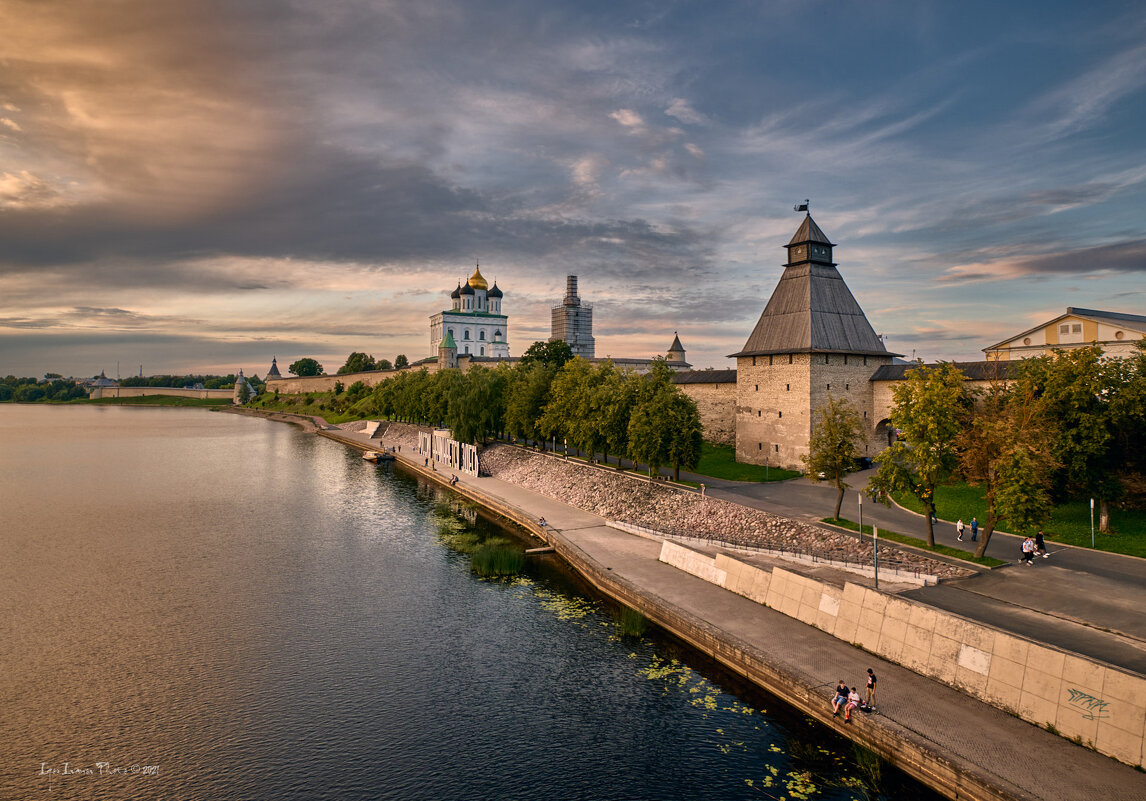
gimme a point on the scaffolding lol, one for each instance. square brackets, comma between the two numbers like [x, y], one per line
[573, 321]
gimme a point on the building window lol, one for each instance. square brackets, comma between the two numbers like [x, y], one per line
[769, 361]
[481, 335]
[1064, 329]
[829, 387]
[865, 415]
[467, 348]
[759, 446]
[847, 387]
[777, 447]
[451, 332]
[827, 359]
[758, 412]
[790, 360]
[1076, 328]
[779, 414]
[482, 351]
[845, 358]
[757, 387]
[787, 387]
[865, 361]
[753, 361]
[466, 335]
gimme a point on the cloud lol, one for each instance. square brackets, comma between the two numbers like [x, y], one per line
[1084, 101]
[10, 124]
[1120, 257]
[629, 119]
[683, 111]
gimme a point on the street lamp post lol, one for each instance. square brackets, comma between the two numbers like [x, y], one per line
[1092, 522]
[875, 552]
[861, 514]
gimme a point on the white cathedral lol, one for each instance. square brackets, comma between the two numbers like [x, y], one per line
[475, 324]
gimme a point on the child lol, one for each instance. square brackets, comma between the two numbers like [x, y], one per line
[871, 680]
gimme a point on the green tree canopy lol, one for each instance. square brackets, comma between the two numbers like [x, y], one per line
[833, 447]
[930, 407]
[305, 367]
[553, 353]
[401, 361]
[355, 363]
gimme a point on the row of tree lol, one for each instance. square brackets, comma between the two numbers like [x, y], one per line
[355, 363]
[32, 390]
[1043, 431]
[550, 397]
[189, 381]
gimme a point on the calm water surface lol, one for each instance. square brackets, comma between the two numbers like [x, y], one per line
[259, 614]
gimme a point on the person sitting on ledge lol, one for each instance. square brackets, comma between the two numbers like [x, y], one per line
[841, 697]
[853, 702]
[541, 522]
[453, 480]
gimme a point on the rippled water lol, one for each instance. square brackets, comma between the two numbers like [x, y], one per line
[259, 614]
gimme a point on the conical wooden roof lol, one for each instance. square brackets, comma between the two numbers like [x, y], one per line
[812, 311]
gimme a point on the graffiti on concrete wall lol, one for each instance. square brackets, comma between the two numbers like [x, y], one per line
[1094, 708]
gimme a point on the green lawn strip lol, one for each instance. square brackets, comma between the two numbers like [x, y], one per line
[894, 536]
[1069, 522]
[719, 461]
[319, 405]
[157, 400]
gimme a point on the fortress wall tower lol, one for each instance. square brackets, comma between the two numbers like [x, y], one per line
[812, 341]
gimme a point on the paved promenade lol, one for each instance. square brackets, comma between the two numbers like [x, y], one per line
[1020, 760]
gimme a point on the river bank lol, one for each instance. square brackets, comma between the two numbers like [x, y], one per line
[961, 747]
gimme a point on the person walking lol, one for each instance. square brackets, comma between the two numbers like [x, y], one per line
[871, 680]
[959, 529]
[1028, 551]
[974, 529]
[1040, 545]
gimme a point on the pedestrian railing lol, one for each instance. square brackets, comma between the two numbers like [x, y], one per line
[887, 567]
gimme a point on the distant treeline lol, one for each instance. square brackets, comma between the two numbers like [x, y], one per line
[33, 390]
[54, 387]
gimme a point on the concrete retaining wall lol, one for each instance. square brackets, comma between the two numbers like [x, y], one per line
[1099, 704]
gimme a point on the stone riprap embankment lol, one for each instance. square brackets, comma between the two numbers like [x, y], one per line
[617, 496]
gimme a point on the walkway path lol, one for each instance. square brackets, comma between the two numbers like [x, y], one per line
[1021, 760]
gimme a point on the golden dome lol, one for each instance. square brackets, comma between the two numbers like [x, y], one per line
[476, 281]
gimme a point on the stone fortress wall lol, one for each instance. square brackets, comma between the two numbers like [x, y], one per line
[173, 392]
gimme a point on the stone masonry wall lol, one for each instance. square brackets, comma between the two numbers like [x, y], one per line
[295, 385]
[717, 406]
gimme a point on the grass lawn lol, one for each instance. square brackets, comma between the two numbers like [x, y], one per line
[158, 400]
[895, 536]
[719, 461]
[1069, 523]
[319, 404]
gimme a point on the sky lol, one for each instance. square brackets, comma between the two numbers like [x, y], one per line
[202, 186]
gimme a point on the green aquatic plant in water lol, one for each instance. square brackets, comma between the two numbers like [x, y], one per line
[496, 561]
[629, 622]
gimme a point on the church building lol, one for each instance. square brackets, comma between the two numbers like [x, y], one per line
[475, 323]
[811, 342]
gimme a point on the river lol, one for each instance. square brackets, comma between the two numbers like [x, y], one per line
[209, 606]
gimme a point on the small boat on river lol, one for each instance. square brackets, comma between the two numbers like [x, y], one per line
[378, 456]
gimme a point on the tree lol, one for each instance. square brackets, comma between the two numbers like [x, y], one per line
[612, 407]
[244, 392]
[338, 387]
[355, 363]
[526, 397]
[383, 364]
[1006, 448]
[305, 367]
[833, 447]
[930, 406]
[552, 353]
[1078, 389]
[401, 361]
